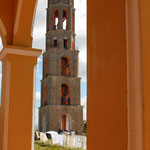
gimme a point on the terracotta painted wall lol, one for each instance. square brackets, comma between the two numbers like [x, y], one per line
[145, 31]
[107, 84]
[16, 111]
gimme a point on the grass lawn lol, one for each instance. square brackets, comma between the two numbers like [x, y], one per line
[49, 146]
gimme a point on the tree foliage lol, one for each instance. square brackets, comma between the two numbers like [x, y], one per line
[84, 126]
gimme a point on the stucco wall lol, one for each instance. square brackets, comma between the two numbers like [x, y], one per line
[107, 82]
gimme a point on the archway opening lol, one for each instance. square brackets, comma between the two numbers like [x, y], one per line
[55, 43]
[66, 123]
[65, 95]
[64, 20]
[65, 66]
[65, 43]
[56, 19]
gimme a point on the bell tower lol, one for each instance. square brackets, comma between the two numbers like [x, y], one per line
[60, 87]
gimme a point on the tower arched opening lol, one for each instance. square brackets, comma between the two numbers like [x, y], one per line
[55, 43]
[66, 123]
[65, 66]
[65, 43]
[65, 95]
[55, 20]
[65, 19]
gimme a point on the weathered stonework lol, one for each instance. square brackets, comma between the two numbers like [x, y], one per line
[52, 109]
[54, 113]
[54, 57]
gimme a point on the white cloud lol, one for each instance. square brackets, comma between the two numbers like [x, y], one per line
[37, 104]
[82, 66]
[81, 33]
[39, 59]
[36, 118]
[38, 98]
[39, 30]
[84, 103]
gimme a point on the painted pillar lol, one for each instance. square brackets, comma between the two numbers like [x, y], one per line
[106, 75]
[119, 70]
[16, 110]
[18, 63]
[134, 77]
[145, 46]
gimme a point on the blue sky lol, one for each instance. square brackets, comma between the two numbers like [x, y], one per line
[39, 42]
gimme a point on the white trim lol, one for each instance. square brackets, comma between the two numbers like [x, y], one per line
[19, 51]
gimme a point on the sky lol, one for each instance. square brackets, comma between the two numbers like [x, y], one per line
[39, 32]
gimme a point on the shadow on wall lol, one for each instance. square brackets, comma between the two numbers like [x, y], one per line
[1, 47]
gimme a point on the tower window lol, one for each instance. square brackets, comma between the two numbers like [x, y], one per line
[65, 44]
[55, 43]
[65, 66]
[55, 19]
[65, 95]
[65, 20]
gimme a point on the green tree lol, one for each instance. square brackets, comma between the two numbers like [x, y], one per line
[84, 126]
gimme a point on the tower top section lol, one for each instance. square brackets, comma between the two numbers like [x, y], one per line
[67, 2]
[60, 25]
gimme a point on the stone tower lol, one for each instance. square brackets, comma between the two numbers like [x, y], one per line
[60, 87]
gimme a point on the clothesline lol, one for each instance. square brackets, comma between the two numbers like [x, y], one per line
[73, 141]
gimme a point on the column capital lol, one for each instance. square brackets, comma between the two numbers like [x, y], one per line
[23, 51]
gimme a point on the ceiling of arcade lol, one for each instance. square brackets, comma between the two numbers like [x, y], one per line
[16, 19]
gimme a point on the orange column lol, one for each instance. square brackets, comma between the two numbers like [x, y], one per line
[106, 75]
[16, 110]
[18, 62]
[145, 46]
[134, 77]
[118, 75]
